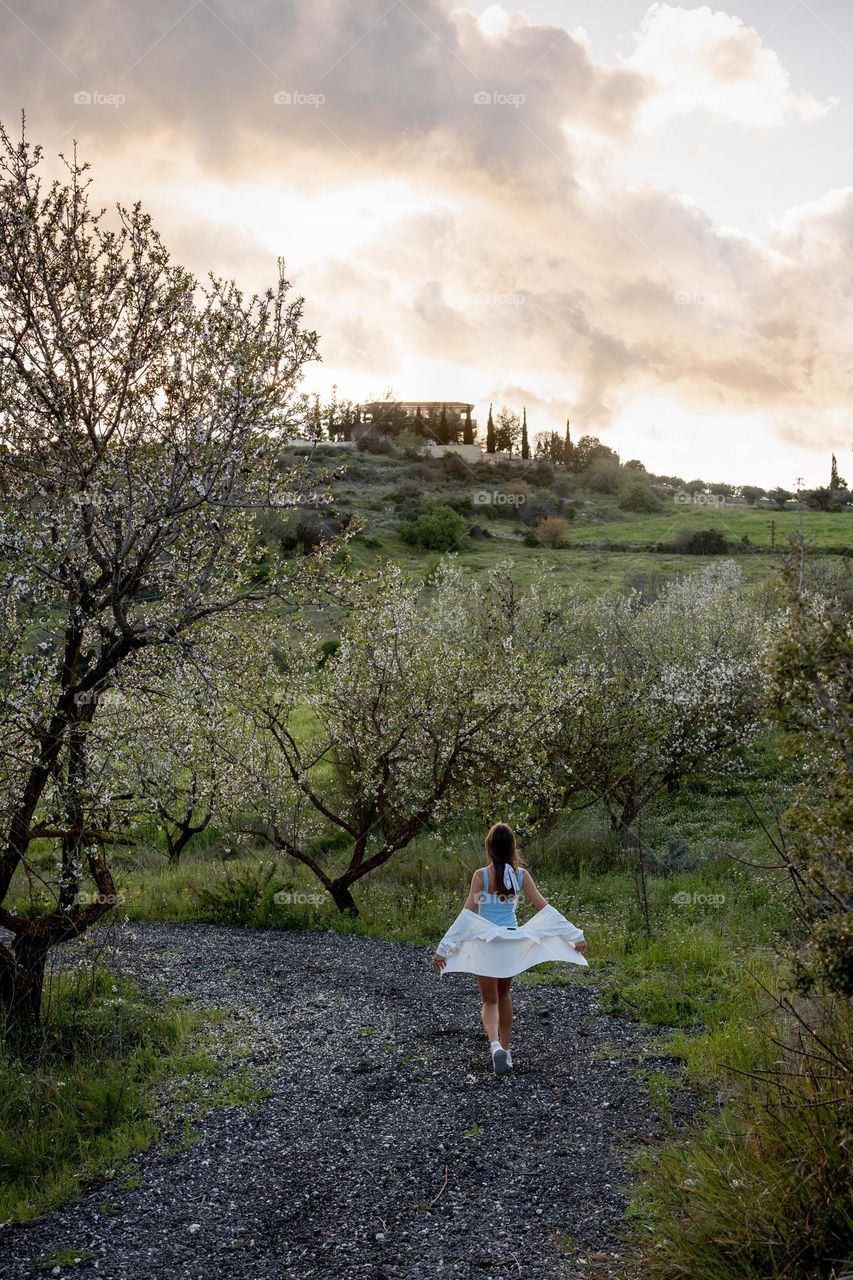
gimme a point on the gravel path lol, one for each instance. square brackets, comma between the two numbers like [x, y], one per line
[386, 1147]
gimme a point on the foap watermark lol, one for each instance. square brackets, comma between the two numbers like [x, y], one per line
[684, 299]
[286, 898]
[495, 98]
[313, 499]
[86, 898]
[88, 697]
[515, 298]
[685, 899]
[95, 98]
[496, 497]
[298, 98]
[682, 498]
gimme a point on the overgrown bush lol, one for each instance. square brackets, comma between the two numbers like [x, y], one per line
[699, 542]
[552, 531]
[603, 476]
[437, 528]
[764, 1191]
[636, 494]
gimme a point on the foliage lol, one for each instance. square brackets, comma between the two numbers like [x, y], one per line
[589, 449]
[385, 752]
[700, 542]
[437, 528]
[655, 691]
[763, 1191]
[602, 474]
[157, 747]
[84, 1105]
[811, 696]
[638, 495]
[552, 530]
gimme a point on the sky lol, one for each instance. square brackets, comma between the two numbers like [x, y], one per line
[637, 216]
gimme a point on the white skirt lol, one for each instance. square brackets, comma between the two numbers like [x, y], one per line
[473, 944]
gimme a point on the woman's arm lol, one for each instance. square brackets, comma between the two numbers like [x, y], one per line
[473, 899]
[528, 884]
[471, 903]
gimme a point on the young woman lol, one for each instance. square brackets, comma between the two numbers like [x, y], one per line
[491, 945]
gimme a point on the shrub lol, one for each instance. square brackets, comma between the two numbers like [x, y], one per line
[541, 504]
[453, 467]
[699, 542]
[411, 445]
[371, 441]
[540, 474]
[552, 531]
[603, 476]
[237, 897]
[637, 494]
[563, 485]
[437, 528]
[763, 1192]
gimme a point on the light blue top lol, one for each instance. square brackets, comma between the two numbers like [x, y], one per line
[497, 910]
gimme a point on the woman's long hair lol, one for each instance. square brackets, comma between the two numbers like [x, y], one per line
[501, 850]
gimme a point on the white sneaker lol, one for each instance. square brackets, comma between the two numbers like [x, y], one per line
[499, 1061]
[509, 1059]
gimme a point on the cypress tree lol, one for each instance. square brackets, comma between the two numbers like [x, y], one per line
[525, 443]
[568, 448]
[468, 430]
[834, 481]
[443, 433]
[490, 433]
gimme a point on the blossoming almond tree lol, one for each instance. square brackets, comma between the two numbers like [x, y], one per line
[810, 671]
[139, 417]
[159, 741]
[668, 687]
[345, 762]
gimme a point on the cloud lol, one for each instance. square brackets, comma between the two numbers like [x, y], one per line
[457, 248]
[368, 84]
[701, 59]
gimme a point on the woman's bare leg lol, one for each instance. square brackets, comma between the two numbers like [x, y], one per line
[504, 1011]
[489, 1011]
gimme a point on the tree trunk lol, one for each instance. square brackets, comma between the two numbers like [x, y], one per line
[342, 897]
[624, 820]
[21, 984]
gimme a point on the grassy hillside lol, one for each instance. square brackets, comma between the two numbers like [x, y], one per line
[502, 505]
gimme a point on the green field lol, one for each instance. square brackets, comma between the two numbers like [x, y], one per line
[605, 547]
[590, 571]
[820, 529]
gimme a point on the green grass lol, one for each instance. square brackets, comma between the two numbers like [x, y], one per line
[64, 1259]
[763, 1190]
[369, 487]
[821, 529]
[590, 571]
[710, 925]
[82, 1103]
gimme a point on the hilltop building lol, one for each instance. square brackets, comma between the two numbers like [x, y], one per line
[376, 408]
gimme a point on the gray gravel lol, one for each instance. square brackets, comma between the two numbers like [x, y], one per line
[387, 1147]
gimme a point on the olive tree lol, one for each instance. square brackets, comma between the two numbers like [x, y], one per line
[140, 413]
